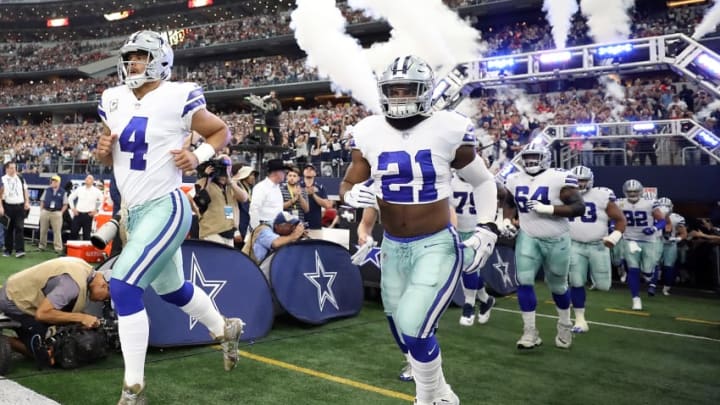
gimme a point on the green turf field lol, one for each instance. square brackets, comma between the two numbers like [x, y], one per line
[628, 359]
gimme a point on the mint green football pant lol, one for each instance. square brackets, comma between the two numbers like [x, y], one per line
[552, 254]
[468, 253]
[669, 254]
[419, 276]
[645, 260]
[152, 256]
[593, 256]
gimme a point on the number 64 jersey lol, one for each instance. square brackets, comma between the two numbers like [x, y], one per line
[412, 166]
[148, 130]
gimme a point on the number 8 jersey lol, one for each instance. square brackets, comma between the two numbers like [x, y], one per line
[148, 130]
[413, 166]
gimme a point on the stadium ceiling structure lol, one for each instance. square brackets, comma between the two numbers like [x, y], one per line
[679, 52]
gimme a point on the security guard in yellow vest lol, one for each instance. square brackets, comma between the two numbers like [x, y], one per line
[51, 293]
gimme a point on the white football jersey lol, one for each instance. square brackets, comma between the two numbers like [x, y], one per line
[593, 225]
[638, 216]
[412, 166]
[544, 187]
[148, 130]
[676, 220]
[463, 202]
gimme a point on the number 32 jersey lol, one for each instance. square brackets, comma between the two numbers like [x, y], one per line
[639, 216]
[545, 188]
[148, 130]
[592, 226]
[412, 166]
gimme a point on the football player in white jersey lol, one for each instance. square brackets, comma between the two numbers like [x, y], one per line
[408, 153]
[590, 244]
[544, 198]
[670, 241]
[463, 214]
[642, 250]
[146, 120]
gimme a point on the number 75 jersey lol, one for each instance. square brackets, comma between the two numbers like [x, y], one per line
[148, 130]
[545, 188]
[412, 166]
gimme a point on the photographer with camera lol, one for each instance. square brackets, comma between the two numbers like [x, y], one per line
[272, 117]
[216, 198]
[51, 293]
[285, 229]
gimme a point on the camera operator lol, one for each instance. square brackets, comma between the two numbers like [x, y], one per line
[216, 198]
[286, 228]
[272, 117]
[51, 293]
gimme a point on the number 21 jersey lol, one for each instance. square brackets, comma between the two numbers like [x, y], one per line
[148, 130]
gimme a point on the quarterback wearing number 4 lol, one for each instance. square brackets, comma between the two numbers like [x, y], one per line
[544, 198]
[146, 121]
[408, 154]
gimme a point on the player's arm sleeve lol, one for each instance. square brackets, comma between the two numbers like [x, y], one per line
[194, 101]
[102, 113]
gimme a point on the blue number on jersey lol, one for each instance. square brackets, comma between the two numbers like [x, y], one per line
[132, 139]
[636, 218]
[465, 198]
[521, 199]
[590, 215]
[405, 193]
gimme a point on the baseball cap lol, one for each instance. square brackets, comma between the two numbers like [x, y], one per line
[310, 165]
[245, 172]
[286, 218]
[55, 178]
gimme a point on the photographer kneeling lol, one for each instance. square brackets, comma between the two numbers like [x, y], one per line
[51, 293]
[216, 197]
[286, 229]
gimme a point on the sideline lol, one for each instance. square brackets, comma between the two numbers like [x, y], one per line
[15, 394]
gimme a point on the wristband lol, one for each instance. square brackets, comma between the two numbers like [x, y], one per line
[614, 237]
[204, 152]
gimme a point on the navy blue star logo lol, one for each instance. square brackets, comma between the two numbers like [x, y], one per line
[502, 268]
[211, 287]
[373, 256]
[323, 281]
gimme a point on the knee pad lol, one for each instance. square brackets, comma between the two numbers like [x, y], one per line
[127, 298]
[423, 350]
[181, 296]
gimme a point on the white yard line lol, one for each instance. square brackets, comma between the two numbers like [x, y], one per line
[15, 394]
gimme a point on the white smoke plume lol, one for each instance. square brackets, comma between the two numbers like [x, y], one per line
[559, 14]
[523, 104]
[320, 32]
[425, 28]
[607, 20]
[709, 109]
[614, 96]
[709, 22]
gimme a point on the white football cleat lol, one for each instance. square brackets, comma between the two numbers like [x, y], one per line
[406, 374]
[564, 336]
[485, 308]
[448, 397]
[580, 327]
[636, 304]
[468, 315]
[530, 339]
[666, 290]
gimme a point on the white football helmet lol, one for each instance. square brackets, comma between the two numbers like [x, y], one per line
[665, 202]
[159, 59]
[535, 158]
[583, 173]
[633, 190]
[415, 77]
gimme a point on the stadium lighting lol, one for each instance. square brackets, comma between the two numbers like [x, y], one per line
[645, 126]
[707, 139]
[614, 50]
[58, 22]
[586, 129]
[555, 57]
[118, 15]
[199, 3]
[499, 64]
[709, 64]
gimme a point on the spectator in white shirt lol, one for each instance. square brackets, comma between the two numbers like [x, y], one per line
[15, 201]
[267, 199]
[88, 199]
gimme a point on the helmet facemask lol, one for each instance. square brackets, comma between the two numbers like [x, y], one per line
[405, 88]
[533, 162]
[158, 61]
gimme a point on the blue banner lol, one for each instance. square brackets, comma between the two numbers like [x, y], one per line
[498, 273]
[315, 281]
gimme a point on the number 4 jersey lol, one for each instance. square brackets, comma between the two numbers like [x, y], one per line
[593, 225]
[412, 166]
[148, 130]
[545, 188]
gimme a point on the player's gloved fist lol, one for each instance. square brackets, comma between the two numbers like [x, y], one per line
[507, 229]
[650, 230]
[633, 247]
[540, 208]
[363, 251]
[483, 242]
[360, 196]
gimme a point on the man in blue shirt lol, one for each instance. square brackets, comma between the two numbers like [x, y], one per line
[317, 197]
[286, 229]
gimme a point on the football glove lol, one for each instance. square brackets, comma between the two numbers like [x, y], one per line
[540, 208]
[363, 251]
[483, 242]
[633, 247]
[507, 229]
[650, 230]
[360, 196]
[613, 238]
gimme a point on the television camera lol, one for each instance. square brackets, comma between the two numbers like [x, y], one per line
[259, 108]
